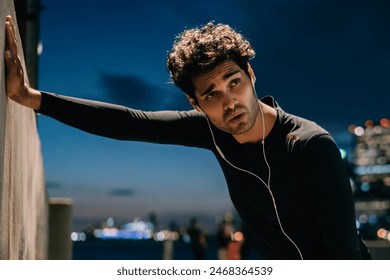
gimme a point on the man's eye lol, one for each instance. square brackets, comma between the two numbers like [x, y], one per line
[235, 82]
[211, 95]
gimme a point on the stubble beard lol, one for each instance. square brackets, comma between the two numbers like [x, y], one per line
[252, 111]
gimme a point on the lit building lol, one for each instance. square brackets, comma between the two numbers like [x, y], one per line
[370, 164]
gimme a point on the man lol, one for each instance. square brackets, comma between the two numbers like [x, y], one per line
[197, 240]
[284, 173]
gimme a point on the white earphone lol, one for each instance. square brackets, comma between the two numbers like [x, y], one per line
[199, 109]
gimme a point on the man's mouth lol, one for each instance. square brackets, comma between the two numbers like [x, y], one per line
[236, 118]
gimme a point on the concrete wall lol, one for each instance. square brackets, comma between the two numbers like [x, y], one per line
[23, 199]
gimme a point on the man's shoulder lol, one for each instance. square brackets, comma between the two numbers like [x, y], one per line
[295, 128]
[303, 129]
[303, 134]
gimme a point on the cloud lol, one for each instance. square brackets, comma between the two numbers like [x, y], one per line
[53, 185]
[139, 94]
[121, 192]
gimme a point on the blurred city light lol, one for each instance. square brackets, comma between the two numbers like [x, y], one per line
[78, 236]
[369, 165]
[385, 122]
[135, 230]
[359, 131]
[40, 48]
[383, 234]
[343, 153]
[238, 236]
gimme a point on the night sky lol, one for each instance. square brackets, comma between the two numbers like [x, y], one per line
[324, 60]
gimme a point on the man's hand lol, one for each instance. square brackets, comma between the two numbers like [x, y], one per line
[15, 85]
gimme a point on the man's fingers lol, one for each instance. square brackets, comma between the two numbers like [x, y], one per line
[10, 61]
[8, 55]
[11, 36]
[14, 68]
[11, 54]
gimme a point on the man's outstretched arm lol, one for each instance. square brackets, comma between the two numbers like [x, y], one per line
[15, 85]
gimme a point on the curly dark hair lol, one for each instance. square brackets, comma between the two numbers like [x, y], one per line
[199, 50]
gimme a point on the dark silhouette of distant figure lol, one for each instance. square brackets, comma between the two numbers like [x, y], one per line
[198, 240]
[223, 239]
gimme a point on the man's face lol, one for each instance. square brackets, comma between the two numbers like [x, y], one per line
[226, 95]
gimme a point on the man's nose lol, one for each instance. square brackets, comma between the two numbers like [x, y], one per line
[230, 102]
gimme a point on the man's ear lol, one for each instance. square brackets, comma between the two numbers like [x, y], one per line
[194, 103]
[251, 74]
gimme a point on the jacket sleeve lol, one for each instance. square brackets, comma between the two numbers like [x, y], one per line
[119, 122]
[329, 189]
